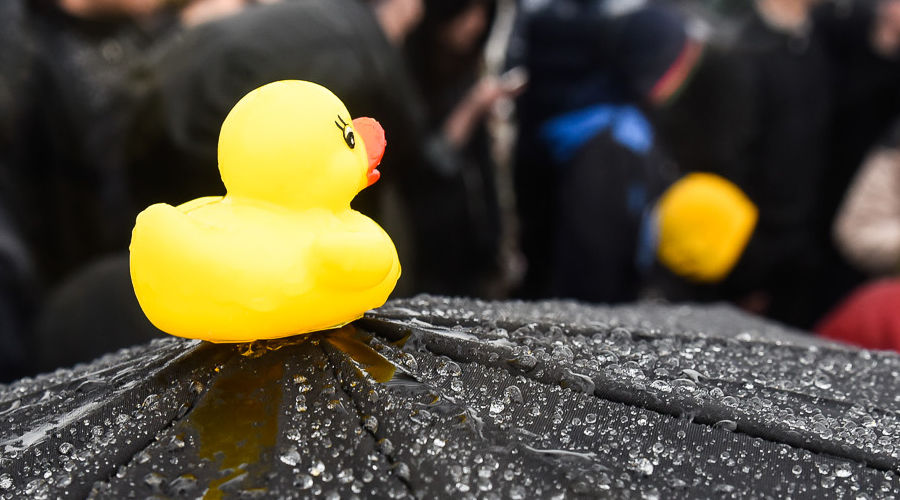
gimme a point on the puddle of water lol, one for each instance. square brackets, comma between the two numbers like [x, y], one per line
[237, 420]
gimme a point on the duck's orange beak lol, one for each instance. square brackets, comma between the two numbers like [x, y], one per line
[373, 137]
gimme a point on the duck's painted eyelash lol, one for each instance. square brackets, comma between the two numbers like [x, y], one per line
[346, 131]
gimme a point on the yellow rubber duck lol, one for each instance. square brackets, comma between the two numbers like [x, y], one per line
[282, 253]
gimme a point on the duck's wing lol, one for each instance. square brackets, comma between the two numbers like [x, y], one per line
[354, 260]
[235, 260]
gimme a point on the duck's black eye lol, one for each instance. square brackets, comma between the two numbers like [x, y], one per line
[349, 138]
[347, 131]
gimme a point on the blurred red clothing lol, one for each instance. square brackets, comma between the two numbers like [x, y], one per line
[869, 317]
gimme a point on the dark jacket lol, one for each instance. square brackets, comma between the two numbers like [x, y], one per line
[785, 86]
[72, 200]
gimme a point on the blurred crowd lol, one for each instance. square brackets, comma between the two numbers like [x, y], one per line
[599, 150]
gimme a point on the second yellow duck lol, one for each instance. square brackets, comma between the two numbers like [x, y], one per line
[282, 253]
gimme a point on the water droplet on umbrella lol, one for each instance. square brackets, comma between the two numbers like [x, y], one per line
[409, 361]
[317, 469]
[448, 368]
[385, 446]
[37, 489]
[305, 482]
[175, 443]
[842, 470]
[63, 480]
[401, 470]
[660, 386]
[292, 457]
[514, 394]
[526, 362]
[196, 387]
[154, 480]
[642, 466]
[150, 401]
[371, 424]
[724, 488]
[728, 425]
[183, 484]
[822, 381]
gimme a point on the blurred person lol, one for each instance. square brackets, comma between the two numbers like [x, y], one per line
[64, 181]
[72, 202]
[862, 40]
[76, 112]
[782, 111]
[64, 203]
[785, 93]
[587, 165]
[867, 226]
[819, 90]
[867, 231]
[458, 207]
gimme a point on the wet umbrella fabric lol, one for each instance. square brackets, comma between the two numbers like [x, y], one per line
[517, 400]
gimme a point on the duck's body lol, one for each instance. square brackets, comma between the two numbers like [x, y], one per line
[242, 267]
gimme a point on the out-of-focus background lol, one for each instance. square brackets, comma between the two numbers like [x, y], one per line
[599, 150]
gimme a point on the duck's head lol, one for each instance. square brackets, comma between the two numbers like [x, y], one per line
[294, 143]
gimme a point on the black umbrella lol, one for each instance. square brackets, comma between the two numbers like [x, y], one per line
[487, 400]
